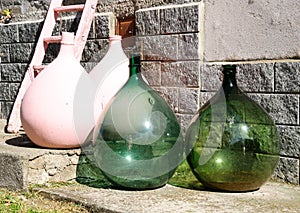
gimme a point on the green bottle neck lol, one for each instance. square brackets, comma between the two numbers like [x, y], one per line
[134, 65]
[229, 78]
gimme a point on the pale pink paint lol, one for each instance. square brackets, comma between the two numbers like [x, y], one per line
[54, 110]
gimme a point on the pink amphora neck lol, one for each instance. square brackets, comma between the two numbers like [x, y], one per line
[67, 44]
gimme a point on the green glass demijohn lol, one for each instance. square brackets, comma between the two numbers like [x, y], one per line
[138, 143]
[233, 143]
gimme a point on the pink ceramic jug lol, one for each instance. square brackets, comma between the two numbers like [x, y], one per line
[110, 74]
[56, 110]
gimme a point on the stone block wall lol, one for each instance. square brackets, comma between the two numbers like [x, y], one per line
[183, 47]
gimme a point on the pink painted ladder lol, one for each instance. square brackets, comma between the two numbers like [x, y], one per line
[88, 10]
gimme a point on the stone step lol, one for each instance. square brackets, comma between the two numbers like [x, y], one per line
[23, 164]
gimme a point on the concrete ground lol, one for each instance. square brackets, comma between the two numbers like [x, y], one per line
[272, 197]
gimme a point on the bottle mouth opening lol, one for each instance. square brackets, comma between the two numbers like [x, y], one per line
[229, 69]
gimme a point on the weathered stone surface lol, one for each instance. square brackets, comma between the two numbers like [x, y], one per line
[247, 30]
[152, 72]
[13, 90]
[179, 19]
[210, 77]
[180, 74]
[29, 32]
[204, 97]
[287, 170]
[5, 107]
[188, 100]
[160, 47]
[12, 172]
[250, 77]
[256, 77]
[283, 108]
[20, 52]
[104, 25]
[184, 120]
[4, 53]
[51, 53]
[171, 97]
[287, 77]
[289, 138]
[147, 22]
[5, 91]
[13, 72]
[8, 34]
[95, 50]
[188, 46]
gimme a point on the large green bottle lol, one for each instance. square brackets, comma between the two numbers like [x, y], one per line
[138, 143]
[234, 145]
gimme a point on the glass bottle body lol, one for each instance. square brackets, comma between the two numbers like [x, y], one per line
[138, 143]
[234, 145]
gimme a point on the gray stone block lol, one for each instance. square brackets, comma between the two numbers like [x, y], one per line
[104, 25]
[4, 53]
[290, 137]
[250, 77]
[8, 34]
[184, 120]
[22, 163]
[179, 19]
[205, 97]
[147, 22]
[5, 91]
[160, 47]
[29, 32]
[188, 46]
[20, 52]
[248, 30]
[6, 108]
[188, 100]
[13, 72]
[51, 53]
[210, 77]
[256, 77]
[287, 170]
[152, 72]
[13, 91]
[170, 95]
[13, 172]
[95, 50]
[283, 108]
[287, 77]
[180, 74]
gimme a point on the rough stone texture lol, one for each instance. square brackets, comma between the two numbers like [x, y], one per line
[160, 47]
[188, 99]
[282, 108]
[267, 30]
[4, 52]
[152, 72]
[187, 19]
[287, 77]
[287, 170]
[256, 77]
[290, 137]
[272, 197]
[8, 34]
[188, 46]
[28, 32]
[5, 108]
[171, 96]
[13, 72]
[20, 52]
[180, 74]
[22, 163]
[147, 22]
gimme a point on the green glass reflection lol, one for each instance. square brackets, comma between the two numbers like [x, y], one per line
[234, 145]
[138, 144]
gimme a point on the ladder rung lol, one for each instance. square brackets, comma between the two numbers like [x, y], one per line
[39, 68]
[52, 39]
[69, 8]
